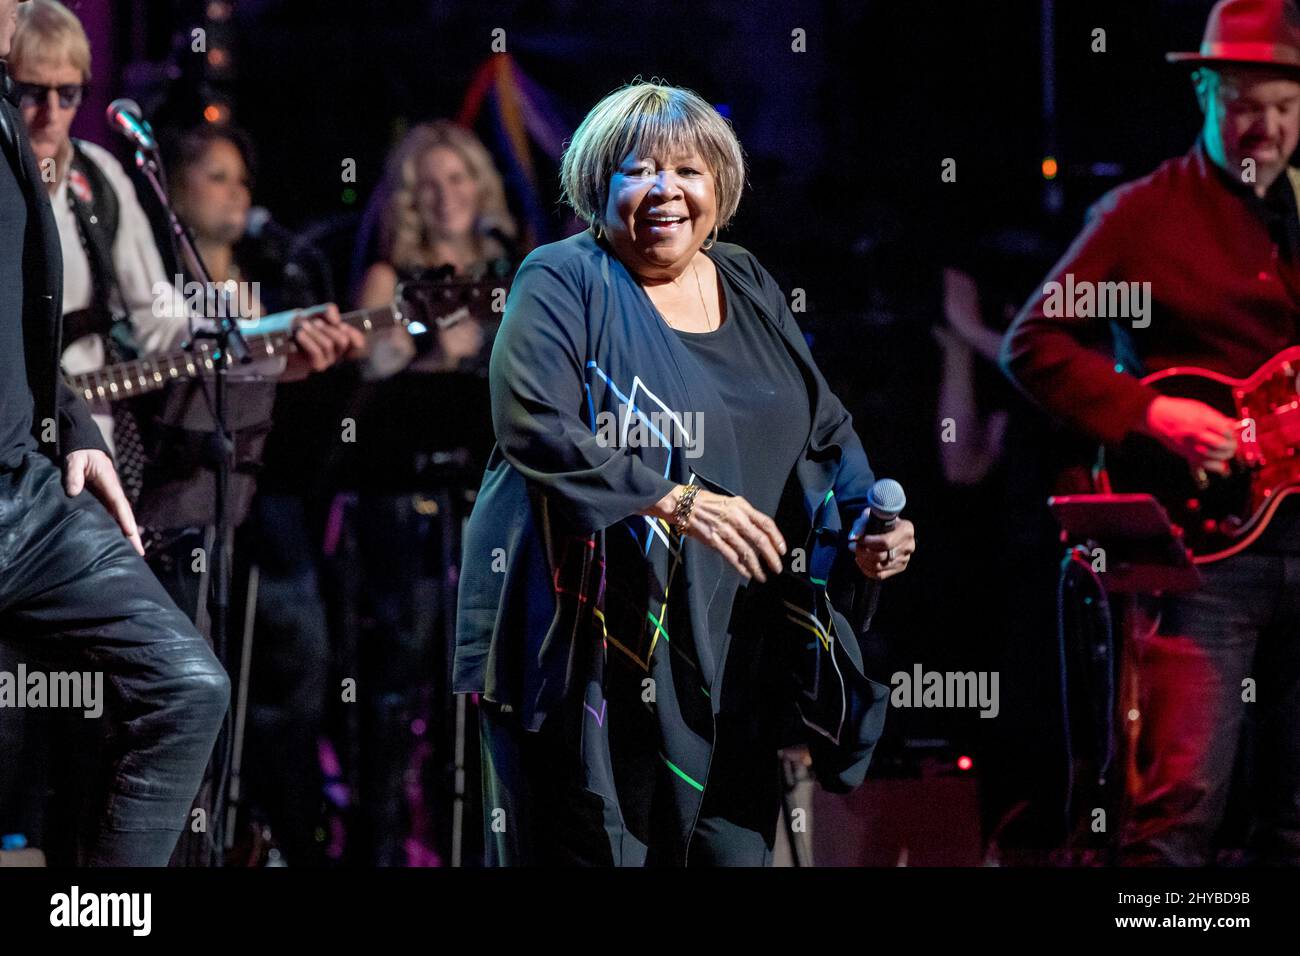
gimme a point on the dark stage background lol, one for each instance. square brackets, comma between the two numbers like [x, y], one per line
[845, 201]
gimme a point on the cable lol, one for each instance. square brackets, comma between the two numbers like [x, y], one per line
[1075, 557]
[1066, 563]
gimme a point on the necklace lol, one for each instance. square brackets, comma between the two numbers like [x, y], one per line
[699, 287]
[708, 323]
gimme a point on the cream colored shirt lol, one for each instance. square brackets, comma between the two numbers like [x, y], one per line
[158, 325]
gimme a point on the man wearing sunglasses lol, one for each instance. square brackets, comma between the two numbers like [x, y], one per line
[72, 579]
[110, 260]
[112, 266]
[35, 95]
[112, 273]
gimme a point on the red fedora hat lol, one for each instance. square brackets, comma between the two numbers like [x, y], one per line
[1249, 33]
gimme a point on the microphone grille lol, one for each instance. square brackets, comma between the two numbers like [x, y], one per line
[124, 105]
[258, 217]
[886, 497]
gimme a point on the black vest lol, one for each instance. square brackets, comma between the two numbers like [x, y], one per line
[97, 218]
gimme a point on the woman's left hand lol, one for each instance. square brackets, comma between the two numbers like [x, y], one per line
[323, 339]
[881, 556]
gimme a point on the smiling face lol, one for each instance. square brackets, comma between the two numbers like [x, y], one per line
[446, 194]
[1251, 115]
[213, 194]
[661, 210]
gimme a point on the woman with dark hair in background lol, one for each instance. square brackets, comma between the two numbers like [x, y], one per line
[210, 173]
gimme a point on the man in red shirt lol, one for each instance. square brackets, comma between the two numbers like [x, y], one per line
[1210, 245]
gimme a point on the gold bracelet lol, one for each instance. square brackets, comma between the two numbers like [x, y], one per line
[685, 507]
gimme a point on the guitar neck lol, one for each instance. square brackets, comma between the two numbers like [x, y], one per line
[152, 372]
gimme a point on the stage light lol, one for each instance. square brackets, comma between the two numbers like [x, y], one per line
[1050, 167]
[219, 11]
[216, 113]
[964, 762]
[217, 58]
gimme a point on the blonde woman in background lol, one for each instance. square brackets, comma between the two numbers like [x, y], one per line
[443, 215]
[446, 207]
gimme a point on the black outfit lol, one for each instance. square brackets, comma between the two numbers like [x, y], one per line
[749, 365]
[16, 406]
[177, 503]
[618, 724]
[751, 368]
[72, 589]
[33, 295]
[291, 657]
[1224, 273]
[406, 480]
[759, 383]
[281, 782]
[179, 495]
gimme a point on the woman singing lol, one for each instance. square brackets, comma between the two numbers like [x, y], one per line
[645, 599]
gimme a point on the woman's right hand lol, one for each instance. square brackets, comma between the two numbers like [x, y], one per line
[461, 340]
[730, 525]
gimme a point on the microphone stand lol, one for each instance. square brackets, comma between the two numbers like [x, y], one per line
[229, 346]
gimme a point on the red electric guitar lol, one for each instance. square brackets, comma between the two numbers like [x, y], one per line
[1221, 515]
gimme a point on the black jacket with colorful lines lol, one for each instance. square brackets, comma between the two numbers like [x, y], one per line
[560, 571]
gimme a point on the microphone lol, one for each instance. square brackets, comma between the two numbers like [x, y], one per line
[885, 501]
[259, 218]
[126, 117]
[287, 249]
[262, 225]
[490, 227]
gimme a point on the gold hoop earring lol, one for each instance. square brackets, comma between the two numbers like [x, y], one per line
[710, 242]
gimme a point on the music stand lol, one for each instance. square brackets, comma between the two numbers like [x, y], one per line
[1144, 555]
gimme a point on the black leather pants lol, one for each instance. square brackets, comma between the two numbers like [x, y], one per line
[73, 589]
